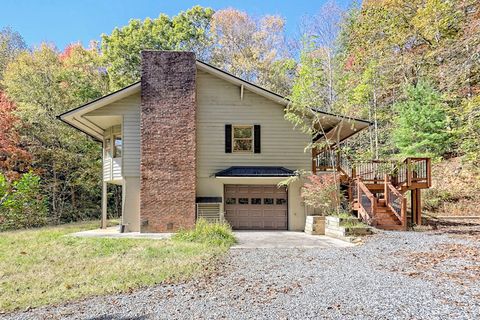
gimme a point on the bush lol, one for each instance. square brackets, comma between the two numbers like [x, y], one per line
[218, 234]
[21, 203]
[322, 192]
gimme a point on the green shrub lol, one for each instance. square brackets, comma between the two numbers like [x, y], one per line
[21, 203]
[219, 234]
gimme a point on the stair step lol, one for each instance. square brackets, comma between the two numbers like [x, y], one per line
[387, 221]
[385, 213]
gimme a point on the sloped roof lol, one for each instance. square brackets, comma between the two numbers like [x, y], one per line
[337, 126]
[256, 171]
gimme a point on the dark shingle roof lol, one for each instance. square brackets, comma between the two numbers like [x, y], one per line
[255, 172]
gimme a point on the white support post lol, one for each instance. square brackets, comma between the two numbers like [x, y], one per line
[104, 205]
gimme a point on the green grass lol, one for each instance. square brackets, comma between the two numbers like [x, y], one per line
[44, 266]
[351, 224]
[343, 215]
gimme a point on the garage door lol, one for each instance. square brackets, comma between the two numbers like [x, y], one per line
[256, 207]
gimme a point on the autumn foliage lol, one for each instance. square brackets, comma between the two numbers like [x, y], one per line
[14, 159]
[322, 192]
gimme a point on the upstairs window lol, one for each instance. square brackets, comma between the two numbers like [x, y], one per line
[108, 147]
[242, 138]
[117, 147]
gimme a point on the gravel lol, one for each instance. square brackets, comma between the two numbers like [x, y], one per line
[371, 281]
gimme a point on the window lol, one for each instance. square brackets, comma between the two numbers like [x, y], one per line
[117, 148]
[256, 201]
[108, 147]
[231, 201]
[242, 200]
[267, 200]
[242, 138]
[281, 201]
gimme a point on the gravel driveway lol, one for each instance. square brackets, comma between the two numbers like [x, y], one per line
[386, 278]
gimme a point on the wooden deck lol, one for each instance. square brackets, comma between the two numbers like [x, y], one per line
[377, 190]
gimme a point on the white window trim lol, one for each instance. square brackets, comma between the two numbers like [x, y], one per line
[252, 138]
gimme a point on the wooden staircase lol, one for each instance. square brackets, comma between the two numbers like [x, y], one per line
[377, 190]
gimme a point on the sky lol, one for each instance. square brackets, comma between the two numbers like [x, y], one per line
[66, 21]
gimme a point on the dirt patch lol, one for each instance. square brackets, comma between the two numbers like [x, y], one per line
[459, 263]
[467, 229]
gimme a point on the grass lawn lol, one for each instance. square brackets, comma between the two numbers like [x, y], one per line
[43, 266]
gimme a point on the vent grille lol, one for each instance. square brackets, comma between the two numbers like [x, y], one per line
[209, 211]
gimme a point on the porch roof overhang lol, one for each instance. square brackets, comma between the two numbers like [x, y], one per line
[255, 171]
[333, 129]
[78, 118]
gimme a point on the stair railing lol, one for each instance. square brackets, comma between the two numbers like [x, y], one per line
[412, 172]
[367, 203]
[395, 201]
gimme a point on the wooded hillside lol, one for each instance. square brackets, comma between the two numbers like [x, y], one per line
[411, 68]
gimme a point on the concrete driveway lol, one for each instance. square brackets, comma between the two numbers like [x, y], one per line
[285, 239]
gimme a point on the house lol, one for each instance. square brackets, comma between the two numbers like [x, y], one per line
[190, 140]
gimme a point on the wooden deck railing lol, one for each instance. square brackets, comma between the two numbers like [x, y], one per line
[367, 202]
[412, 172]
[396, 201]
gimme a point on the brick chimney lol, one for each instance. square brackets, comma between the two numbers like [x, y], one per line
[168, 141]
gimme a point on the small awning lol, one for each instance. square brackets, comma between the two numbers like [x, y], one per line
[255, 172]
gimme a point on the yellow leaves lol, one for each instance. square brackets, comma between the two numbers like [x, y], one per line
[436, 20]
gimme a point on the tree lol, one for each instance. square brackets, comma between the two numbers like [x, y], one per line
[188, 31]
[423, 125]
[469, 130]
[321, 31]
[22, 203]
[11, 44]
[14, 158]
[251, 48]
[311, 86]
[44, 83]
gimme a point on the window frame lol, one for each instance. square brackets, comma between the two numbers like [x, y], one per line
[252, 138]
[108, 147]
[115, 148]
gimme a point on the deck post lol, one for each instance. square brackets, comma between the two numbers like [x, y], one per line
[385, 195]
[419, 207]
[104, 205]
[416, 202]
[413, 204]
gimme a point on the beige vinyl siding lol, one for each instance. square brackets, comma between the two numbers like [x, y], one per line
[129, 109]
[219, 103]
[131, 141]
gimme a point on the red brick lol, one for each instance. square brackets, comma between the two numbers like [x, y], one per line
[168, 150]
